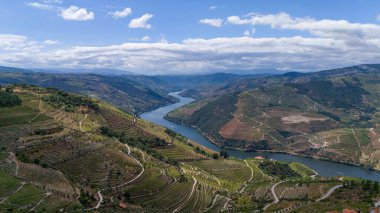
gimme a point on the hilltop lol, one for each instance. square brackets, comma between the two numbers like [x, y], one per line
[66, 152]
[332, 114]
[119, 90]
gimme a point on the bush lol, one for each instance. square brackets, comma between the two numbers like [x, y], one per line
[215, 156]
[9, 100]
[278, 169]
[224, 154]
[59, 98]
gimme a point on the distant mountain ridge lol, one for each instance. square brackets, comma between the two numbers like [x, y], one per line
[121, 91]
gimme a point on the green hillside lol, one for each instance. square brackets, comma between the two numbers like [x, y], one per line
[62, 152]
[120, 90]
[330, 114]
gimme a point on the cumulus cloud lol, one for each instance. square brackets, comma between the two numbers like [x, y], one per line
[217, 22]
[197, 55]
[75, 13]
[18, 43]
[249, 33]
[122, 13]
[323, 28]
[145, 38]
[332, 43]
[41, 6]
[141, 22]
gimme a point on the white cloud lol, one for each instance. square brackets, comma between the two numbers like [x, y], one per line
[249, 33]
[217, 22]
[141, 22]
[323, 28]
[213, 7]
[41, 6]
[75, 13]
[237, 20]
[196, 55]
[122, 13]
[145, 38]
[50, 42]
[163, 41]
[333, 43]
[18, 43]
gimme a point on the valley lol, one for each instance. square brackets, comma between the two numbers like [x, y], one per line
[66, 152]
[322, 167]
[167, 106]
[329, 115]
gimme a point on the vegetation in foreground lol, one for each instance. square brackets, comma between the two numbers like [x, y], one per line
[64, 153]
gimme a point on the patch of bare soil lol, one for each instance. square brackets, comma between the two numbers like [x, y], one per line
[236, 129]
[297, 118]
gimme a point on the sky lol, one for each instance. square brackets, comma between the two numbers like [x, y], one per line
[189, 37]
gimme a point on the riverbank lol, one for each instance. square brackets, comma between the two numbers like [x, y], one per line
[267, 151]
[324, 167]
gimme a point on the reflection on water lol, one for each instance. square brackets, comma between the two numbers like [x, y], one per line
[324, 168]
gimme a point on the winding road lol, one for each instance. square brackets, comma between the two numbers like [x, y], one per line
[191, 194]
[99, 202]
[246, 183]
[276, 200]
[329, 192]
[135, 178]
[128, 182]
[80, 123]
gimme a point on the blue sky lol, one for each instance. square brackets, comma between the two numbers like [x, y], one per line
[176, 36]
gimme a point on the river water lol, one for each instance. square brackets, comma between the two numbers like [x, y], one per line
[324, 168]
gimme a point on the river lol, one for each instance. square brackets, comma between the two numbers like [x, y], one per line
[324, 168]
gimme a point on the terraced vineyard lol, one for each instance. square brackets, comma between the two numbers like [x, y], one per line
[91, 156]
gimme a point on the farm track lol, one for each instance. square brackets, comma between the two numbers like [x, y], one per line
[135, 178]
[245, 184]
[187, 200]
[357, 140]
[213, 203]
[99, 202]
[14, 159]
[40, 111]
[373, 132]
[80, 122]
[18, 189]
[39, 202]
[338, 138]
[119, 186]
[329, 192]
[276, 200]
[315, 175]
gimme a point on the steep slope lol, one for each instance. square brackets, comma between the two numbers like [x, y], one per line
[120, 90]
[329, 114]
[71, 153]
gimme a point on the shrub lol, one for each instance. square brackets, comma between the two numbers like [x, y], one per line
[9, 100]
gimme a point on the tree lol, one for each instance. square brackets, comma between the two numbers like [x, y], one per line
[376, 186]
[215, 156]
[9, 100]
[223, 153]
